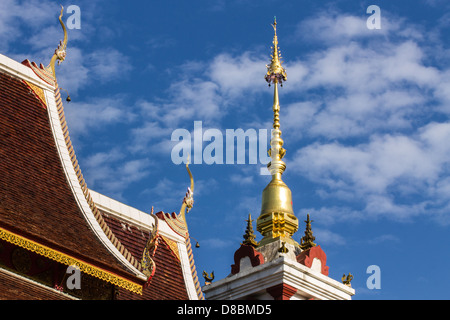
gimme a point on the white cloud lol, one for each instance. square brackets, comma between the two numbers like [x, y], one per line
[361, 69]
[149, 132]
[328, 237]
[382, 172]
[107, 64]
[237, 74]
[96, 114]
[328, 215]
[334, 27]
[389, 238]
[35, 23]
[13, 14]
[167, 195]
[111, 172]
[241, 180]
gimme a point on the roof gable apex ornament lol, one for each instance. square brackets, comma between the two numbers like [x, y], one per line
[60, 52]
[177, 222]
[188, 200]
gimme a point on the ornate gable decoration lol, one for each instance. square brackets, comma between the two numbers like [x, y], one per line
[48, 73]
[148, 265]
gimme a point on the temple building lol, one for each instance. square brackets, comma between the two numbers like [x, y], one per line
[58, 238]
[278, 267]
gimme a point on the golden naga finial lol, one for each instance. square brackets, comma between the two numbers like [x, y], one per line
[188, 200]
[60, 52]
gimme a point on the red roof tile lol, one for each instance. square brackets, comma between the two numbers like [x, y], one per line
[15, 287]
[168, 281]
[35, 198]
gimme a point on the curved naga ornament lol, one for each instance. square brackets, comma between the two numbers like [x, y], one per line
[209, 277]
[60, 52]
[148, 265]
[347, 279]
[188, 200]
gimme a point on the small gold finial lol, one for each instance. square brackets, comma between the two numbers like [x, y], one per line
[283, 248]
[249, 236]
[208, 277]
[347, 279]
[60, 52]
[307, 240]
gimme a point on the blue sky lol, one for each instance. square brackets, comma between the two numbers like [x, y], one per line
[364, 115]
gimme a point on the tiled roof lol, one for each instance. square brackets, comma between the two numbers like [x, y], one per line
[16, 287]
[168, 281]
[46, 207]
[36, 200]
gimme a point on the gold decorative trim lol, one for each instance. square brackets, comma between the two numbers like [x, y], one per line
[176, 223]
[173, 245]
[69, 261]
[39, 92]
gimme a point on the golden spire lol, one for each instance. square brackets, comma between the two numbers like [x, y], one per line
[307, 241]
[60, 52]
[249, 236]
[277, 219]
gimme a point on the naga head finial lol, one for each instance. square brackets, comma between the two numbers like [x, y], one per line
[60, 51]
[188, 200]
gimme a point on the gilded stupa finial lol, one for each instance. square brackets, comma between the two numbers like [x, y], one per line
[249, 236]
[275, 71]
[277, 219]
[307, 241]
[276, 74]
[60, 52]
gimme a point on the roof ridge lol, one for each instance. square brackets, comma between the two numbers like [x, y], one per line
[110, 235]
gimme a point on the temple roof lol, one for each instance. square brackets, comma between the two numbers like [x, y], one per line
[46, 206]
[43, 199]
[16, 287]
[175, 275]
